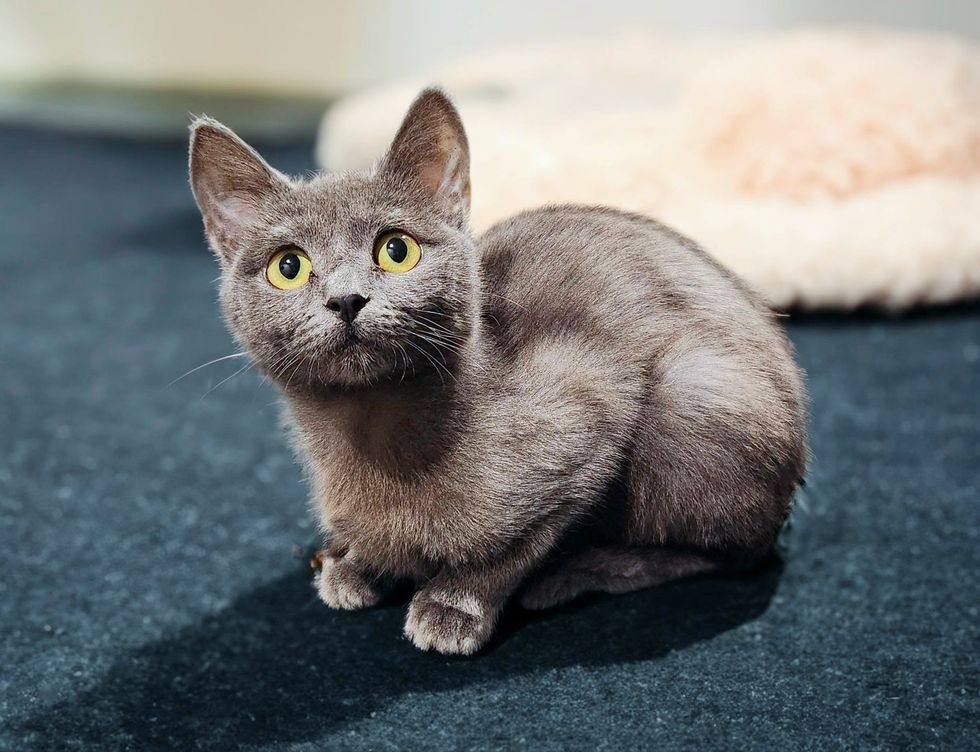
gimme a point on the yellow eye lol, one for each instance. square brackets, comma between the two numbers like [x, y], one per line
[288, 269]
[397, 252]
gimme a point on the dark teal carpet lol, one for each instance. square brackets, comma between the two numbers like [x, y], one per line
[155, 591]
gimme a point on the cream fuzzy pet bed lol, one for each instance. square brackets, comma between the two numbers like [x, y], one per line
[830, 169]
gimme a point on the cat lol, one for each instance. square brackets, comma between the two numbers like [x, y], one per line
[580, 400]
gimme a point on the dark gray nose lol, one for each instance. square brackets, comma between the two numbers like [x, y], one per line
[347, 306]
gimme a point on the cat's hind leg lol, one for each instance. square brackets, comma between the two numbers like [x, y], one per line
[613, 569]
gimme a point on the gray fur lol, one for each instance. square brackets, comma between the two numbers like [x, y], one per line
[577, 378]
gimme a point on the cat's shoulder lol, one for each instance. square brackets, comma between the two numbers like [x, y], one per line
[561, 226]
[616, 240]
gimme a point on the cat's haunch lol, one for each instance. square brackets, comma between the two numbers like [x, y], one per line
[577, 379]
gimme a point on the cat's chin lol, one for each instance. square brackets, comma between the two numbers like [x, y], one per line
[353, 377]
[350, 365]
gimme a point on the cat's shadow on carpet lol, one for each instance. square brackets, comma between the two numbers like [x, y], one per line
[277, 666]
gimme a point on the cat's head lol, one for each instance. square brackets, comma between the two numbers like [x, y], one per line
[345, 279]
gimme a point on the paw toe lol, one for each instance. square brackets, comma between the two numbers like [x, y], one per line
[342, 587]
[436, 626]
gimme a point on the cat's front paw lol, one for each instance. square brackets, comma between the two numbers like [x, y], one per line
[340, 584]
[449, 623]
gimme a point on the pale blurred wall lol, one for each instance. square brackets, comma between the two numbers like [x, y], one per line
[326, 46]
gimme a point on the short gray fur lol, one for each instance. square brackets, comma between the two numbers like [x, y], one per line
[580, 400]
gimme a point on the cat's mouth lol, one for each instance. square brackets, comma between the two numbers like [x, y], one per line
[345, 354]
[350, 338]
[354, 345]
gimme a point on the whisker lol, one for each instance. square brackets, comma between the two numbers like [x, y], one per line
[435, 364]
[274, 365]
[292, 373]
[440, 348]
[430, 312]
[404, 359]
[279, 366]
[440, 339]
[437, 327]
[313, 359]
[435, 336]
[409, 360]
[504, 297]
[226, 379]
[434, 326]
[288, 363]
[209, 363]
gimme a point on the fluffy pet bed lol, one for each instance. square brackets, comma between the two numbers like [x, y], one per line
[830, 169]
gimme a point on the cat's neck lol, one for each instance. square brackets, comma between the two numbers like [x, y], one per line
[404, 423]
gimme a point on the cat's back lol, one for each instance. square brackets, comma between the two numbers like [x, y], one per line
[612, 276]
[623, 314]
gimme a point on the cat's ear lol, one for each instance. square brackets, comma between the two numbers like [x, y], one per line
[231, 184]
[431, 149]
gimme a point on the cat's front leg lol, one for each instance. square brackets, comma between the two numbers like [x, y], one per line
[451, 618]
[344, 583]
[456, 612]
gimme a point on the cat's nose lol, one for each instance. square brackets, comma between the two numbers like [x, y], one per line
[347, 306]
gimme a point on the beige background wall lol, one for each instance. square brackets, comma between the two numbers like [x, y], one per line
[302, 46]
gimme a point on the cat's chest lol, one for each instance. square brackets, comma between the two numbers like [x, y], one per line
[402, 525]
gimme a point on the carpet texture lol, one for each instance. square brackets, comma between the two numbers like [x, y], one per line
[155, 592]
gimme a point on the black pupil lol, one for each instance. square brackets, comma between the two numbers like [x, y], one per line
[289, 266]
[397, 250]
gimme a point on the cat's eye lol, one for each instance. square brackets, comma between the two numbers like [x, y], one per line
[289, 269]
[397, 252]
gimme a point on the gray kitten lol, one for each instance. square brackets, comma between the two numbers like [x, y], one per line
[580, 400]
